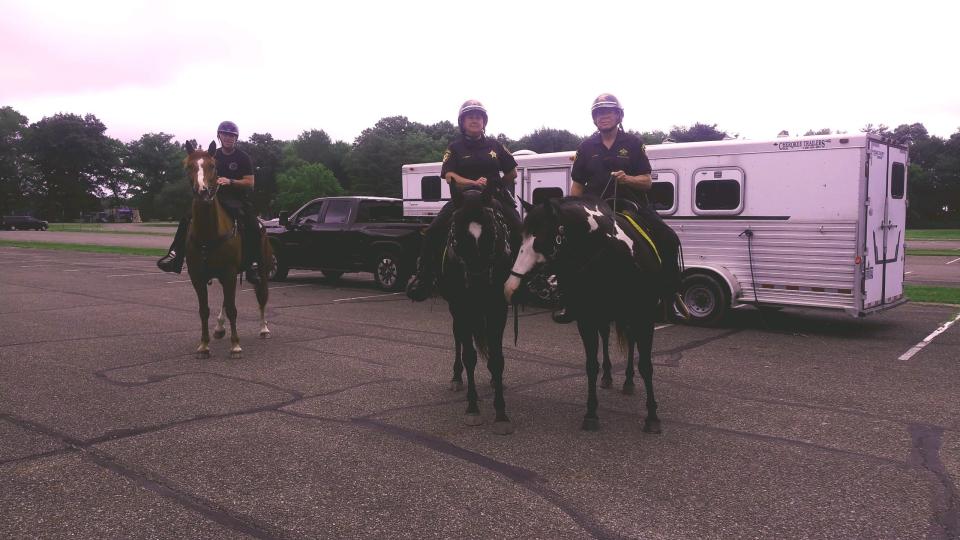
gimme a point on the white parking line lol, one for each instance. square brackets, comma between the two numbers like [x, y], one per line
[363, 297]
[662, 326]
[145, 274]
[926, 341]
[907, 273]
[955, 260]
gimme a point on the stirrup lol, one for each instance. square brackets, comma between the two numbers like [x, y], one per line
[171, 262]
[419, 288]
[563, 316]
[680, 307]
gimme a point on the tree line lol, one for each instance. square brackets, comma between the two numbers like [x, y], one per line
[65, 166]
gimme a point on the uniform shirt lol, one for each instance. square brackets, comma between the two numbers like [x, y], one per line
[594, 162]
[473, 159]
[234, 166]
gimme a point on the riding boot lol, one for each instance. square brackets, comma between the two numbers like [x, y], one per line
[252, 249]
[173, 260]
[421, 285]
[564, 315]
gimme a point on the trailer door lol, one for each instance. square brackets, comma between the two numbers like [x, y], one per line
[885, 218]
[896, 224]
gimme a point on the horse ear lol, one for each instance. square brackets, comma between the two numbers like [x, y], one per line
[527, 206]
[487, 195]
[212, 149]
[190, 146]
[553, 207]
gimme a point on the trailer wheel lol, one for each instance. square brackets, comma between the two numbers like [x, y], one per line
[387, 271]
[706, 299]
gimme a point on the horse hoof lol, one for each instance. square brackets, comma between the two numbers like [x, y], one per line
[627, 390]
[265, 335]
[473, 419]
[591, 424]
[456, 386]
[504, 427]
[606, 383]
[218, 334]
[236, 355]
[203, 355]
[651, 426]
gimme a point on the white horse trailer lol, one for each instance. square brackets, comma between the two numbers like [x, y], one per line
[808, 221]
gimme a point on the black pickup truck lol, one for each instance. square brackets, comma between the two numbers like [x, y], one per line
[348, 234]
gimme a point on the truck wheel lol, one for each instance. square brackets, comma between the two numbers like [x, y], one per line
[706, 299]
[387, 273]
[279, 270]
[332, 275]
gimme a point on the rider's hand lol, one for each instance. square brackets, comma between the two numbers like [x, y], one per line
[223, 181]
[620, 176]
[482, 181]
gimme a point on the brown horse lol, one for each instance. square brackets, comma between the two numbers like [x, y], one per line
[214, 252]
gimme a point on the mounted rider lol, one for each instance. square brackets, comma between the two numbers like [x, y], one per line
[235, 182]
[472, 161]
[613, 164]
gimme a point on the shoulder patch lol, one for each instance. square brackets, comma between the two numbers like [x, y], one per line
[446, 156]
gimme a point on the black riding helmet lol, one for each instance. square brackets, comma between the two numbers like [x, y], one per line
[471, 105]
[606, 101]
[228, 127]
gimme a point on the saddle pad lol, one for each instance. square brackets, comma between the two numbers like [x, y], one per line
[643, 233]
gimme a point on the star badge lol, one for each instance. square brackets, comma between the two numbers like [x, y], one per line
[493, 154]
[623, 152]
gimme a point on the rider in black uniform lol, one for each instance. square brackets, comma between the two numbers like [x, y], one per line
[236, 181]
[471, 161]
[613, 164]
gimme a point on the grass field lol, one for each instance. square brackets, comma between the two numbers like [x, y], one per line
[935, 252]
[924, 293]
[154, 252]
[933, 234]
[99, 228]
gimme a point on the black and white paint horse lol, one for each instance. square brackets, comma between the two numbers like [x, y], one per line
[475, 264]
[607, 272]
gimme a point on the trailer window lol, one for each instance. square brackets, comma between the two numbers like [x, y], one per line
[430, 188]
[662, 196]
[718, 195]
[546, 193]
[897, 180]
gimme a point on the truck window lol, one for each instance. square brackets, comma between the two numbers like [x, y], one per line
[310, 213]
[546, 193]
[338, 211]
[380, 212]
[430, 188]
[897, 180]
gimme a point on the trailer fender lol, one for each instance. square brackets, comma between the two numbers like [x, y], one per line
[733, 286]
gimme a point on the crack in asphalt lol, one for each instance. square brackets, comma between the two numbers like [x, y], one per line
[925, 454]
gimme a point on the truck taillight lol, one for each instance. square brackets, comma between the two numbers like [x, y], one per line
[857, 260]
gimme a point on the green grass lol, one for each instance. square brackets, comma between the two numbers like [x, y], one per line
[924, 293]
[933, 234]
[122, 250]
[935, 252]
[99, 228]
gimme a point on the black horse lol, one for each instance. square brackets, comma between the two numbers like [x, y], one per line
[475, 264]
[607, 272]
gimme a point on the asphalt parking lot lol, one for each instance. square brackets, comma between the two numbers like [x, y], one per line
[789, 424]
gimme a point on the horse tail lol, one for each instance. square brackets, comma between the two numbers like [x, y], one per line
[623, 336]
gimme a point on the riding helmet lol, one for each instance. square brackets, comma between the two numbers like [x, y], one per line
[228, 127]
[471, 105]
[606, 101]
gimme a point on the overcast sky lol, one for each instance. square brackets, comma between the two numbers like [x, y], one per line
[752, 68]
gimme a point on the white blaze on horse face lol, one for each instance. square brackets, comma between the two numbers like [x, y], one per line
[622, 236]
[527, 258]
[200, 183]
[591, 217]
[475, 230]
